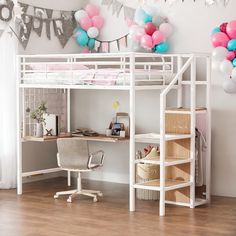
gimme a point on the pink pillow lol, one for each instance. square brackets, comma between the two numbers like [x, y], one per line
[57, 67]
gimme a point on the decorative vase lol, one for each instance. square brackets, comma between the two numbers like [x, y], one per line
[39, 130]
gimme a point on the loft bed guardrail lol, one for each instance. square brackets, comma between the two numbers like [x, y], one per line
[94, 71]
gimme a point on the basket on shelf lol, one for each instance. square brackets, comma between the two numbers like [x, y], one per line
[146, 172]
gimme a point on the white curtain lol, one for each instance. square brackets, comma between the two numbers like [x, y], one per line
[8, 51]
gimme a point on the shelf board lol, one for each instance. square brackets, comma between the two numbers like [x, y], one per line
[198, 202]
[40, 172]
[155, 138]
[155, 185]
[44, 138]
[103, 138]
[99, 138]
[169, 161]
[198, 110]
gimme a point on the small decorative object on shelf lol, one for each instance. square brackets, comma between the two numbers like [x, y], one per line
[51, 123]
[147, 172]
[49, 132]
[38, 115]
[84, 132]
[223, 40]
[119, 125]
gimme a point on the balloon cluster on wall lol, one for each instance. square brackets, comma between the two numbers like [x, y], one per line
[150, 31]
[224, 53]
[89, 24]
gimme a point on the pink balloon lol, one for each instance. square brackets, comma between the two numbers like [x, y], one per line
[230, 56]
[98, 21]
[92, 10]
[146, 41]
[85, 50]
[231, 29]
[139, 34]
[158, 37]
[166, 29]
[150, 28]
[219, 39]
[86, 23]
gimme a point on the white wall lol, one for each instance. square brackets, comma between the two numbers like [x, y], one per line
[193, 23]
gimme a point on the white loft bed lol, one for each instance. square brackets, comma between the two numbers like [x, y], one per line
[119, 71]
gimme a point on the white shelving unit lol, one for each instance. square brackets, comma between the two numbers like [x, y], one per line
[131, 65]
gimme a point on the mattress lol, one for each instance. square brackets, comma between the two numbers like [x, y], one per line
[104, 77]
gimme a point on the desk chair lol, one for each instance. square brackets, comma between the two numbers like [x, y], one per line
[73, 155]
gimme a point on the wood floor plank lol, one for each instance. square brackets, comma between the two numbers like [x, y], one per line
[36, 213]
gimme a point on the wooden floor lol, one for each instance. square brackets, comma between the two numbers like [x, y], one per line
[36, 213]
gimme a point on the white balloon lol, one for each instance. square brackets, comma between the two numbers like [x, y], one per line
[226, 67]
[93, 32]
[158, 20]
[135, 47]
[216, 65]
[149, 10]
[139, 16]
[219, 53]
[79, 15]
[136, 32]
[229, 86]
[233, 75]
[132, 30]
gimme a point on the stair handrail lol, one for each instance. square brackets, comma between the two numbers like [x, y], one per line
[172, 83]
[163, 131]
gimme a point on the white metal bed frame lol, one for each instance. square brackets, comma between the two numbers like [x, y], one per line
[129, 62]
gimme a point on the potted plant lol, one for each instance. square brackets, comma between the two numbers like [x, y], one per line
[37, 115]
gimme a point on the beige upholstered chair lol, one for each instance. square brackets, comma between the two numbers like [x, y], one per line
[73, 156]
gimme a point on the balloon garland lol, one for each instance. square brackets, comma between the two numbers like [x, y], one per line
[223, 39]
[150, 31]
[90, 23]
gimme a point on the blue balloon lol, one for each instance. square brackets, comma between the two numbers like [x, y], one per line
[82, 38]
[234, 62]
[147, 18]
[215, 30]
[162, 47]
[232, 45]
[91, 43]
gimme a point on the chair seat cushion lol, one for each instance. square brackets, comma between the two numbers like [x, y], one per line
[80, 168]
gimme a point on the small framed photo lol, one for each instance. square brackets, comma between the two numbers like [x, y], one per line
[123, 118]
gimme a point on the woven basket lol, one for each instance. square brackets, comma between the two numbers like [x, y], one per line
[146, 172]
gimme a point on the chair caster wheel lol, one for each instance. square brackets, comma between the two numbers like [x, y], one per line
[95, 199]
[100, 194]
[55, 196]
[69, 200]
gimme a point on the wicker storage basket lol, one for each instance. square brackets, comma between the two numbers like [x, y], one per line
[145, 172]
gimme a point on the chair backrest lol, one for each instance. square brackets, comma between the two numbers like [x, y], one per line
[72, 152]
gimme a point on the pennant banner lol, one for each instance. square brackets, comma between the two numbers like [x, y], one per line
[48, 28]
[1, 32]
[105, 46]
[25, 30]
[24, 7]
[129, 12]
[6, 11]
[63, 30]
